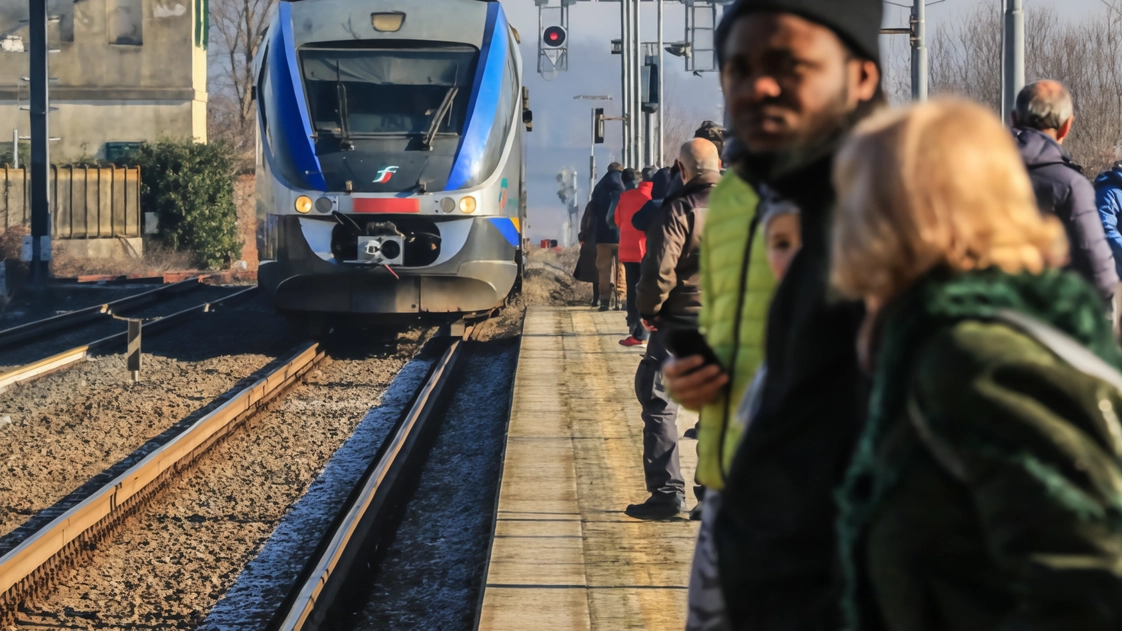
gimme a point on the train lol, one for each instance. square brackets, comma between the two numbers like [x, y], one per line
[391, 175]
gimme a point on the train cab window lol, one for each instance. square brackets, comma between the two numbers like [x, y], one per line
[509, 101]
[354, 93]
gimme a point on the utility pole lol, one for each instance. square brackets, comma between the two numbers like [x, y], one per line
[40, 158]
[661, 102]
[637, 91]
[917, 35]
[625, 60]
[919, 51]
[1013, 68]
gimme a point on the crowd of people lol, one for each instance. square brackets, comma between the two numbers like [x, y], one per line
[898, 328]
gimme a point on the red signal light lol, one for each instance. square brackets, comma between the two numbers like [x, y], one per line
[554, 36]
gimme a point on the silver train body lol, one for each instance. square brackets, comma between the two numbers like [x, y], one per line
[391, 173]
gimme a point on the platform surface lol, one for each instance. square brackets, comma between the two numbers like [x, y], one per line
[565, 556]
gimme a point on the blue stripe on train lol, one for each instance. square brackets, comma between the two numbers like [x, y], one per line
[295, 122]
[507, 228]
[485, 95]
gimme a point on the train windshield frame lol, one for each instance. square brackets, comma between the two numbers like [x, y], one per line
[376, 90]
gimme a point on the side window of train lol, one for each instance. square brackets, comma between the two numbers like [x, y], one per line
[504, 117]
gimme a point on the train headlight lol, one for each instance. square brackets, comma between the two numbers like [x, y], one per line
[303, 204]
[467, 204]
[447, 204]
[389, 22]
[324, 205]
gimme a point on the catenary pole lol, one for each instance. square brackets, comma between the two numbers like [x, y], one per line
[1014, 55]
[40, 159]
[919, 50]
[661, 138]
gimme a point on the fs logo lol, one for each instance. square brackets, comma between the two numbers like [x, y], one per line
[385, 174]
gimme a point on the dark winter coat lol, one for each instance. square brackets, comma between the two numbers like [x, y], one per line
[986, 492]
[776, 544]
[586, 262]
[1062, 190]
[669, 289]
[1108, 198]
[607, 189]
[659, 190]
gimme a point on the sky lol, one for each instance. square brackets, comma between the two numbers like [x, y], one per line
[562, 127]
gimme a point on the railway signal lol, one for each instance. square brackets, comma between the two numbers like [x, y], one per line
[554, 36]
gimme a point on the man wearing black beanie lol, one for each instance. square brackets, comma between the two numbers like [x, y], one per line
[796, 75]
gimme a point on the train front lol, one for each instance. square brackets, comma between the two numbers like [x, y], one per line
[390, 176]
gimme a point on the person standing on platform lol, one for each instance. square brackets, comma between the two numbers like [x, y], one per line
[585, 270]
[609, 271]
[796, 76]
[1041, 122]
[986, 490]
[632, 247]
[1108, 197]
[669, 296]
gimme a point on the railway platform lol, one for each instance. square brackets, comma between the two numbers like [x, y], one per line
[564, 555]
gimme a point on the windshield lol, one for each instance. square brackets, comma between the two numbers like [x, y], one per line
[365, 92]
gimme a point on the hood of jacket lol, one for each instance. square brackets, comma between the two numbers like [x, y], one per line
[1038, 149]
[661, 183]
[1112, 177]
[609, 185]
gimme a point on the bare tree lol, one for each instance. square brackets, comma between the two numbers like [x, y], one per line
[1086, 56]
[237, 31]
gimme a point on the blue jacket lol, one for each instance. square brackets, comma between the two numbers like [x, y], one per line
[1108, 197]
[1062, 190]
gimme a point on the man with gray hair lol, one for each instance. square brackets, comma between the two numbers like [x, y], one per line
[1041, 121]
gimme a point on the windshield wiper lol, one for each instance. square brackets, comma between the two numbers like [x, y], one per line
[344, 117]
[438, 117]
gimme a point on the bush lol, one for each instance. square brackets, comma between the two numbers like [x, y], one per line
[190, 187]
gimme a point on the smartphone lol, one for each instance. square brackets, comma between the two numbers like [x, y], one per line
[686, 342]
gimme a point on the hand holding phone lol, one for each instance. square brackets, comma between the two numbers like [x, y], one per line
[693, 375]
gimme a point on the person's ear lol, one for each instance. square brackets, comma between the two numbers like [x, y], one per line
[865, 77]
[1064, 129]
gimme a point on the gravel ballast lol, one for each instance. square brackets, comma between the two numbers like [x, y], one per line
[182, 552]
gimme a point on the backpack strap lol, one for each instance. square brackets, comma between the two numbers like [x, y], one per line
[1059, 344]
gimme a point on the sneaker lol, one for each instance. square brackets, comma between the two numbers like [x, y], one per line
[690, 433]
[655, 509]
[604, 307]
[695, 512]
[632, 341]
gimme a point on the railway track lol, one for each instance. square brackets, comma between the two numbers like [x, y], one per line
[31, 565]
[58, 361]
[311, 599]
[40, 328]
[35, 564]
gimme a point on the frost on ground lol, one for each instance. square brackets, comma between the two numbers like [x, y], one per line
[263, 583]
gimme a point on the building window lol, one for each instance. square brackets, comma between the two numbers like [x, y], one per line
[125, 19]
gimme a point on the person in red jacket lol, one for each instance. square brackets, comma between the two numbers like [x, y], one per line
[632, 247]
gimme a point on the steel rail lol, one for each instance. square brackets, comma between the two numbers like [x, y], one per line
[44, 326]
[314, 595]
[47, 365]
[33, 560]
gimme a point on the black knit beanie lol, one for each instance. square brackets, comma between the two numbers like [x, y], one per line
[856, 22]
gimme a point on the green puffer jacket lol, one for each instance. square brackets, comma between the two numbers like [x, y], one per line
[724, 289]
[1008, 513]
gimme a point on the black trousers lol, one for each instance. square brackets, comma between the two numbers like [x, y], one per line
[661, 466]
[634, 322]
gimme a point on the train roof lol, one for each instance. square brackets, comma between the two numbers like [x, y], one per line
[455, 21]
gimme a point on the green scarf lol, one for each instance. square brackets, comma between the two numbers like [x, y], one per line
[938, 301]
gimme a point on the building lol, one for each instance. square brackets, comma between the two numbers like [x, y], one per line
[127, 70]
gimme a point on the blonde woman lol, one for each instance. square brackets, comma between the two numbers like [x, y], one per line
[986, 491]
